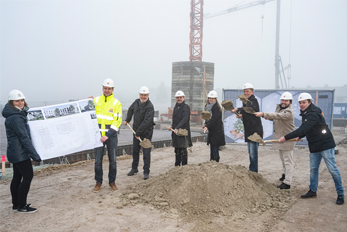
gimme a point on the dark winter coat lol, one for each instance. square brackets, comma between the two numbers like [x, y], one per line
[315, 129]
[143, 118]
[251, 122]
[215, 128]
[180, 119]
[19, 146]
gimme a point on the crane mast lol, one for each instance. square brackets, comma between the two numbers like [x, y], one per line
[196, 30]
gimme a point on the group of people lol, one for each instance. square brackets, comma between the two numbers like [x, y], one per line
[320, 139]
[108, 109]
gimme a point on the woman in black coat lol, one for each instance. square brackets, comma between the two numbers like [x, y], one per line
[214, 126]
[19, 150]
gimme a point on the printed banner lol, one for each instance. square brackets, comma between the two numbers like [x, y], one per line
[63, 129]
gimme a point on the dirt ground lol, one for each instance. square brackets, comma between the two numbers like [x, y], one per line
[202, 196]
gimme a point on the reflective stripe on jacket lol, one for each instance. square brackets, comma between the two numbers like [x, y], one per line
[109, 114]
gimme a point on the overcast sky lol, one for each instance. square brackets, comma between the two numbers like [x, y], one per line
[60, 50]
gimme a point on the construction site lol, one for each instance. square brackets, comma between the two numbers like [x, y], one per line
[203, 195]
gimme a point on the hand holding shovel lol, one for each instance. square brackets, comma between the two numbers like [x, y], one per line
[180, 132]
[145, 143]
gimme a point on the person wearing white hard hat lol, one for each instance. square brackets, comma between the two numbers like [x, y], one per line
[19, 150]
[180, 120]
[143, 111]
[283, 123]
[251, 123]
[321, 144]
[214, 126]
[109, 115]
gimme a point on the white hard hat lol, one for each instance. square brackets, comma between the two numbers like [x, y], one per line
[305, 96]
[144, 90]
[108, 83]
[179, 93]
[212, 94]
[15, 95]
[286, 96]
[248, 86]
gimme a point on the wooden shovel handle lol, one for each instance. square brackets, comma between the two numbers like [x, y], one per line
[276, 141]
[133, 131]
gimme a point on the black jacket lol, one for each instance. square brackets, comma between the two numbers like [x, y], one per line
[251, 122]
[143, 118]
[19, 146]
[180, 119]
[215, 127]
[315, 129]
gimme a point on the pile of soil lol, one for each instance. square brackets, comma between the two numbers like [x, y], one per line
[208, 189]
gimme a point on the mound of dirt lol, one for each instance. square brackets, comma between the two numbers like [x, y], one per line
[207, 189]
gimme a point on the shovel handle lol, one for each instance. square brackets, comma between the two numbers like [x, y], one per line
[276, 141]
[133, 131]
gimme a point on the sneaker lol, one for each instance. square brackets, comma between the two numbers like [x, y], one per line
[26, 209]
[340, 199]
[145, 176]
[15, 207]
[132, 172]
[113, 186]
[97, 187]
[309, 194]
[283, 177]
[284, 186]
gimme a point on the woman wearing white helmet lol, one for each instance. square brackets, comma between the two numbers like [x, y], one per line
[19, 150]
[214, 125]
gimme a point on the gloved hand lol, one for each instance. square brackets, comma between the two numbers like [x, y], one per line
[38, 160]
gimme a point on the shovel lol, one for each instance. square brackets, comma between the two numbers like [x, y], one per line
[228, 105]
[256, 138]
[243, 98]
[181, 132]
[249, 110]
[205, 115]
[145, 143]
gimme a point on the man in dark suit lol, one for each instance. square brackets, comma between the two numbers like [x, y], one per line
[180, 120]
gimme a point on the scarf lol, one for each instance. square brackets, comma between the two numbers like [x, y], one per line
[208, 107]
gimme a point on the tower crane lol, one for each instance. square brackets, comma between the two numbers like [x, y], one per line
[196, 33]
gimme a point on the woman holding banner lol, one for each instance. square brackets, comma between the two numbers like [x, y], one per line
[19, 150]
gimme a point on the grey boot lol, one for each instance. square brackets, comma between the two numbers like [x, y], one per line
[132, 172]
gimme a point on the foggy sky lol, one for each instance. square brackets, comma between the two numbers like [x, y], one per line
[61, 50]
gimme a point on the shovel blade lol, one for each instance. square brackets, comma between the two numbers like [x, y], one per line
[146, 143]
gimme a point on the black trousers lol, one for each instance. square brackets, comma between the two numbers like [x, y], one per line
[136, 156]
[22, 175]
[181, 156]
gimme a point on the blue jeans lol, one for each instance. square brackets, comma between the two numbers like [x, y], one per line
[111, 144]
[253, 156]
[136, 156]
[329, 159]
[214, 151]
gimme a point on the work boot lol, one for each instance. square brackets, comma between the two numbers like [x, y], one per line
[97, 187]
[133, 171]
[145, 176]
[284, 186]
[340, 199]
[309, 194]
[113, 186]
[283, 177]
